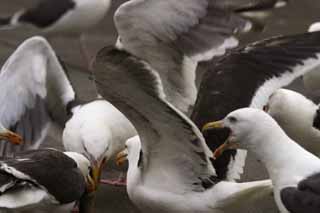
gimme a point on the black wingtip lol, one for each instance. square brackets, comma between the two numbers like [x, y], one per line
[316, 120]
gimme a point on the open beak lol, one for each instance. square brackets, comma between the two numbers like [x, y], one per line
[227, 145]
[213, 125]
[122, 157]
[11, 137]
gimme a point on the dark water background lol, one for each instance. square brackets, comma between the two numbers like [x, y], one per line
[295, 18]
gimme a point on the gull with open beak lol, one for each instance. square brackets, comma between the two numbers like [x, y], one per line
[230, 142]
[295, 172]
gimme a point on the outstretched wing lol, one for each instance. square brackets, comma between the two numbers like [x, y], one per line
[174, 156]
[248, 76]
[34, 87]
[172, 35]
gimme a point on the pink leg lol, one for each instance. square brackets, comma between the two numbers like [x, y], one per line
[121, 181]
[75, 209]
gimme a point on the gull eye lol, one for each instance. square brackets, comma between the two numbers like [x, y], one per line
[232, 119]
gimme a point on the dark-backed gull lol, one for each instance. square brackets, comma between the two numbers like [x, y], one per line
[45, 179]
[247, 77]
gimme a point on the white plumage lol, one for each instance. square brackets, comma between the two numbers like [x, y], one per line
[172, 36]
[98, 130]
[295, 114]
[293, 170]
[33, 84]
[171, 171]
[36, 92]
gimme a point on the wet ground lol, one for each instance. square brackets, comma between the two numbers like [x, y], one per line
[293, 19]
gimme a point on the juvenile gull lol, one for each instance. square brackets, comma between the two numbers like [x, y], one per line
[295, 172]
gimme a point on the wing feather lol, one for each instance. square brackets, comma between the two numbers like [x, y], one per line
[33, 86]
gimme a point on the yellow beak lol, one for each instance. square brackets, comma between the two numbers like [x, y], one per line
[94, 179]
[11, 137]
[91, 186]
[213, 125]
[122, 157]
[228, 144]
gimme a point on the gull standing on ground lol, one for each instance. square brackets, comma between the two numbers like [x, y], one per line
[295, 173]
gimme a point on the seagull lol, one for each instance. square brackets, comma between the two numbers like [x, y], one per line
[171, 170]
[171, 37]
[44, 179]
[296, 115]
[244, 78]
[34, 91]
[295, 172]
[38, 94]
[99, 131]
[54, 17]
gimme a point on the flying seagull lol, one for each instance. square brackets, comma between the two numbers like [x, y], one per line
[172, 36]
[56, 17]
[244, 78]
[297, 116]
[171, 171]
[295, 172]
[45, 179]
[38, 93]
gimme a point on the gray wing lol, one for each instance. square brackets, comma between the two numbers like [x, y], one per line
[173, 149]
[33, 88]
[172, 35]
[303, 198]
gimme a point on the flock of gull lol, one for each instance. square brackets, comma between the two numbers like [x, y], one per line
[185, 135]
